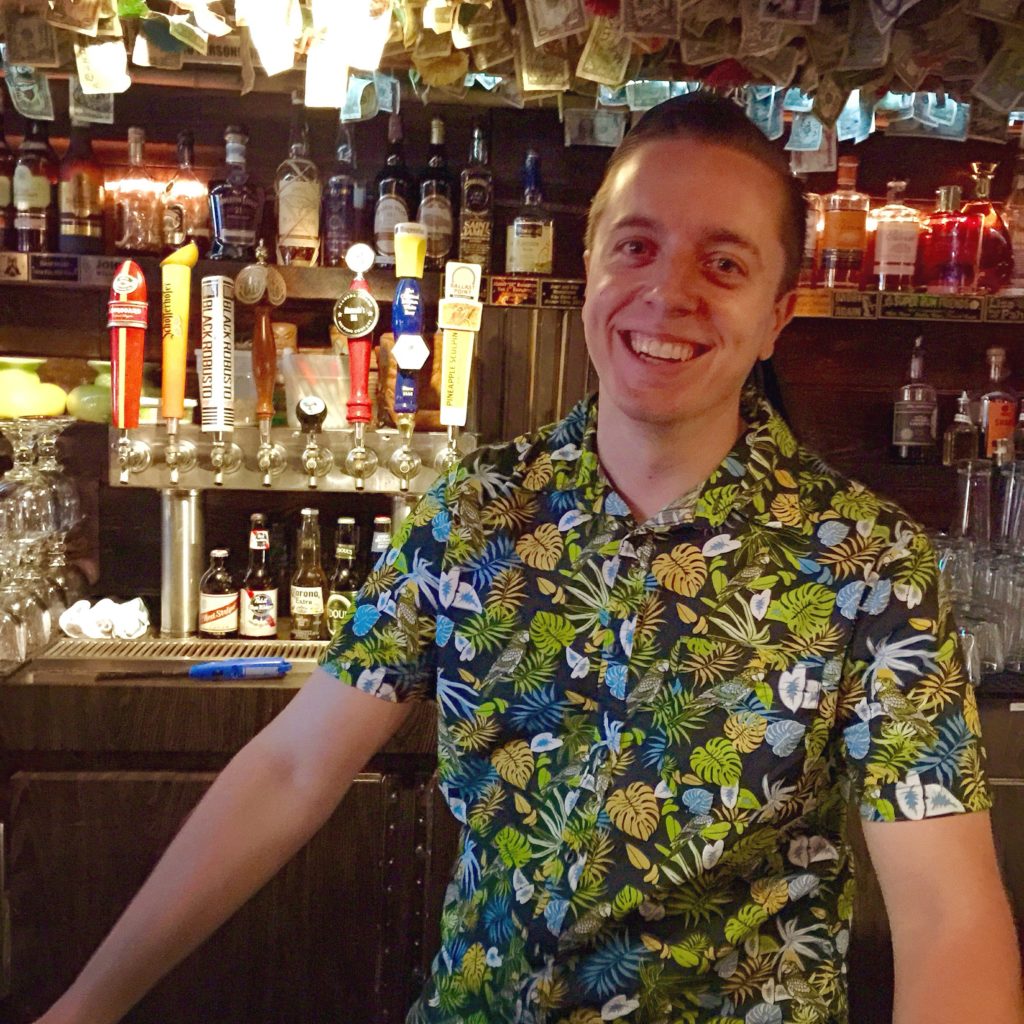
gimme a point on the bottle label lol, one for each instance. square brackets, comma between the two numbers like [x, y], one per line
[435, 215]
[811, 232]
[5, 190]
[845, 230]
[307, 601]
[390, 210]
[896, 248]
[174, 224]
[31, 191]
[259, 540]
[339, 221]
[239, 216]
[218, 613]
[338, 605]
[258, 612]
[298, 214]
[81, 207]
[999, 422]
[914, 424]
[475, 240]
[529, 247]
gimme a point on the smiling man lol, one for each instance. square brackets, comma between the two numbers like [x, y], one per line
[670, 649]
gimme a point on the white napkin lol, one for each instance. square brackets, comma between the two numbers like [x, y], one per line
[127, 621]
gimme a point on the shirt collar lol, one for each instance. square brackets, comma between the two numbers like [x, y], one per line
[759, 480]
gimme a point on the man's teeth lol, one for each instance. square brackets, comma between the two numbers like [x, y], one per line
[652, 345]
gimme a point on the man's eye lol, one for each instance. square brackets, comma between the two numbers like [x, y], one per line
[727, 266]
[634, 247]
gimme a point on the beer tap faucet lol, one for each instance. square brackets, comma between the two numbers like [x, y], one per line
[217, 380]
[176, 278]
[410, 351]
[262, 286]
[355, 315]
[127, 318]
[316, 459]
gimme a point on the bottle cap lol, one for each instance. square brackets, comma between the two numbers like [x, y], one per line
[219, 553]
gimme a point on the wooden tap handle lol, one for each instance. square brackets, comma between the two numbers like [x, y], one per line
[264, 361]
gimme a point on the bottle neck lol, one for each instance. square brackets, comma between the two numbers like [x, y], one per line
[917, 367]
[186, 155]
[995, 370]
[344, 151]
[478, 150]
[80, 145]
[136, 149]
[234, 152]
[309, 545]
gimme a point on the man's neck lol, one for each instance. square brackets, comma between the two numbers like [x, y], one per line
[652, 464]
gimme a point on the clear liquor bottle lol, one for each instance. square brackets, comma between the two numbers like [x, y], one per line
[6, 191]
[345, 581]
[393, 194]
[185, 202]
[897, 227]
[437, 199]
[947, 253]
[236, 203]
[995, 251]
[813, 224]
[342, 202]
[844, 234]
[997, 409]
[309, 585]
[960, 439]
[137, 202]
[529, 239]
[1013, 214]
[81, 195]
[34, 189]
[915, 414]
[476, 214]
[297, 192]
[1018, 434]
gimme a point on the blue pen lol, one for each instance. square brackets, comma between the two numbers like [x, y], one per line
[228, 668]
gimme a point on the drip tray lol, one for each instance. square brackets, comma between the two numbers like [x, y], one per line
[80, 660]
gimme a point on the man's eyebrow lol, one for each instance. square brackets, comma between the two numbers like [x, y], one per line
[733, 238]
[635, 221]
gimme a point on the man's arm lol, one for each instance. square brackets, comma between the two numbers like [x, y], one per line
[954, 945]
[265, 805]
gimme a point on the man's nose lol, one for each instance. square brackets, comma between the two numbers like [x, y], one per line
[676, 286]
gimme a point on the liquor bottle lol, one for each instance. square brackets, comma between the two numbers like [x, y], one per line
[960, 440]
[380, 540]
[6, 191]
[844, 234]
[80, 195]
[34, 190]
[995, 251]
[437, 199]
[297, 192]
[947, 252]
[236, 203]
[1013, 215]
[258, 595]
[997, 408]
[915, 414]
[813, 223]
[1018, 435]
[137, 202]
[185, 202]
[530, 238]
[897, 227]
[476, 215]
[344, 582]
[309, 584]
[393, 191]
[343, 199]
[218, 599]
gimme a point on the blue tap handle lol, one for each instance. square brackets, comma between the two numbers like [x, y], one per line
[406, 390]
[241, 668]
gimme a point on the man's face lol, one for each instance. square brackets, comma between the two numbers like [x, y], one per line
[682, 277]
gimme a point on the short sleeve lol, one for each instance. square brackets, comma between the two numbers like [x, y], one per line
[908, 717]
[386, 643]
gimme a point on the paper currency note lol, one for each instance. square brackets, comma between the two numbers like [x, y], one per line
[75, 15]
[857, 118]
[89, 109]
[389, 95]
[539, 71]
[102, 67]
[650, 18]
[30, 40]
[1001, 84]
[779, 68]
[606, 54]
[360, 99]
[819, 161]
[155, 47]
[30, 91]
[829, 100]
[491, 55]
[866, 48]
[800, 12]
[987, 124]
[594, 127]
[186, 31]
[764, 108]
[887, 12]
[247, 55]
[711, 48]
[487, 25]
[760, 35]
[805, 134]
[798, 102]
[555, 19]
[1005, 11]
[432, 44]
[904, 61]
[957, 131]
[643, 95]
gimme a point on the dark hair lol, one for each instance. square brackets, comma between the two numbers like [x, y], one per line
[710, 117]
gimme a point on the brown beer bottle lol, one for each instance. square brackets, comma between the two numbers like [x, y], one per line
[218, 599]
[258, 596]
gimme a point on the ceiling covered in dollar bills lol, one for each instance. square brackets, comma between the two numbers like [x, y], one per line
[820, 69]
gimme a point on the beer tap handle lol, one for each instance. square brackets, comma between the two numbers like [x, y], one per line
[316, 459]
[264, 362]
[127, 319]
[217, 377]
[176, 280]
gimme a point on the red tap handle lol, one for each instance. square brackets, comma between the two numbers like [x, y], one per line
[358, 408]
[264, 362]
[127, 319]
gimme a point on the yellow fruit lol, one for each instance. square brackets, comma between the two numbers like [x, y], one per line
[186, 256]
[50, 400]
[19, 401]
[16, 380]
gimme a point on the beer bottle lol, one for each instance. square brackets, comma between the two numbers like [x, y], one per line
[344, 583]
[308, 583]
[218, 599]
[258, 596]
[381, 539]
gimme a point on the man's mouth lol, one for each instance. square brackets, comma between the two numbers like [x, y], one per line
[658, 348]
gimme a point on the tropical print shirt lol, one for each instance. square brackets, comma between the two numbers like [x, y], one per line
[651, 732]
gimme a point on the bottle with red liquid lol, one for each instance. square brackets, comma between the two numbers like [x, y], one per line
[947, 254]
[995, 251]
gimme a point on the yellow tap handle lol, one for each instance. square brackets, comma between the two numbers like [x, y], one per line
[176, 275]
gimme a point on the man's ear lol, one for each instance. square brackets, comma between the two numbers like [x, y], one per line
[586, 261]
[782, 312]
